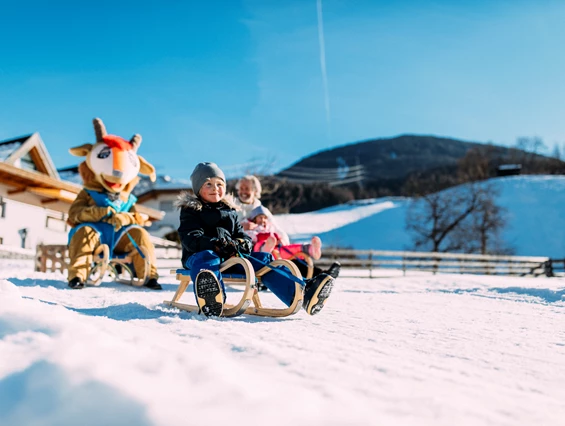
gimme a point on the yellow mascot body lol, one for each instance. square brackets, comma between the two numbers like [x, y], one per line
[104, 211]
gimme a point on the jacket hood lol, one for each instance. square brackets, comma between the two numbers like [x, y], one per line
[188, 200]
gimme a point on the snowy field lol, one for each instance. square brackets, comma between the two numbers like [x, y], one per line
[416, 350]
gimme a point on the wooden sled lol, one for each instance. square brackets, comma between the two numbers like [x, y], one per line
[250, 294]
[120, 267]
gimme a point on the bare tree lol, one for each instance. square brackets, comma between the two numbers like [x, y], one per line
[463, 219]
[433, 217]
[480, 232]
[475, 165]
[532, 144]
[279, 196]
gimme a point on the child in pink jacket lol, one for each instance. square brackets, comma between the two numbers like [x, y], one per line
[266, 239]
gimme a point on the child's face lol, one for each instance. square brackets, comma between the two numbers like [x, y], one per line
[213, 190]
[262, 220]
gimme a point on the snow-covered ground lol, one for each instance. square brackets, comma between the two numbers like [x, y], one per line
[416, 350]
[420, 349]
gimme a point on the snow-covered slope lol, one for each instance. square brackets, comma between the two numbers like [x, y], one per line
[535, 214]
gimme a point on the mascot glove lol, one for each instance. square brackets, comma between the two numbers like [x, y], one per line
[120, 220]
[142, 219]
[94, 214]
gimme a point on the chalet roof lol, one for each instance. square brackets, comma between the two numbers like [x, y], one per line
[70, 174]
[28, 152]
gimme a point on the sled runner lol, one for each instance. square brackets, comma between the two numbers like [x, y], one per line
[107, 260]
[250, 302]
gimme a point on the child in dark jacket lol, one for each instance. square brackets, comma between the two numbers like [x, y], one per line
[210, 234]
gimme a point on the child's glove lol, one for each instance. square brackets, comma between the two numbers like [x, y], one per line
[225, 247]
[120, 220]
[243, 246]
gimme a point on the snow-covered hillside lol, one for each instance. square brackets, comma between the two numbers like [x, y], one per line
[535, 206]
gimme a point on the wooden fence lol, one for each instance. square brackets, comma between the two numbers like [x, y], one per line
[55, 257]
[364, 263]
[458, 263]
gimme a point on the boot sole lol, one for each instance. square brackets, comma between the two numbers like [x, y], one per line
[77, 286]
[209, 295]
[319, 298]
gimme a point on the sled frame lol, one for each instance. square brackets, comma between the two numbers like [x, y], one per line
[250, 294]
[258, 309]
[103, 264]
[229, 309]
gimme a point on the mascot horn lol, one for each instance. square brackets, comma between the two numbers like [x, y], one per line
[104, 211]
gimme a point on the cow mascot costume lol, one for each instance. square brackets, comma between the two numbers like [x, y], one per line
[104, 211]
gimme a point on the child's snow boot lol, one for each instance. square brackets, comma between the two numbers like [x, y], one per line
[316, 292]
[209, 293]
[334, 269]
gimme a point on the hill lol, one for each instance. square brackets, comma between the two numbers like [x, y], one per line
[401, 166]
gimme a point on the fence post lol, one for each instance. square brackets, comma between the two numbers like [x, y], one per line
[371, 264]
[548, 268]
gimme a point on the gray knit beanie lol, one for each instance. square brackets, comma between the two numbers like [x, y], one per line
[203, 172]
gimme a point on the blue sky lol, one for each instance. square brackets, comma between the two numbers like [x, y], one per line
[231, 81]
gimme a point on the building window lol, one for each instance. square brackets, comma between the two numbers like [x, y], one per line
[23, 235]
[2, 207]
[166, 206]
[56, 221]
[26, 162]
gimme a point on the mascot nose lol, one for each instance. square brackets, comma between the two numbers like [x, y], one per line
[119, 163]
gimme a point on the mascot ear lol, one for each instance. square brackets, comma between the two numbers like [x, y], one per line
[147, 169]
[81, 151]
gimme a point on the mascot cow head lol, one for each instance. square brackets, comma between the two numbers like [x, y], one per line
[112, 161]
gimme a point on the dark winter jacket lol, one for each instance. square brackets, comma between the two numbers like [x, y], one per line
[203, 224]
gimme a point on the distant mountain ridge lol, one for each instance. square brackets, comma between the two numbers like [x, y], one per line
[387, 158]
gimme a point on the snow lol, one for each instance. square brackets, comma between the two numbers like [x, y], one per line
[420, 349]
[8, 148]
